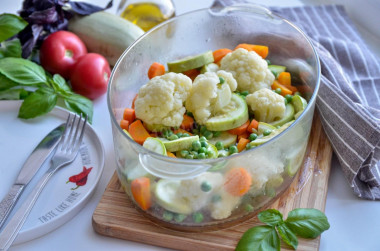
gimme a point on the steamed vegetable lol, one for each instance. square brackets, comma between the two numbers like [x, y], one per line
[105, 33]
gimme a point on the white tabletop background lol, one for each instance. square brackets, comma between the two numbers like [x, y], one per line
[355, 223]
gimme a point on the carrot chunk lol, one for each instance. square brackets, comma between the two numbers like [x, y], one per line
[284, 78]
[156, 69]
[133, 101]
[170, 154]
[140, 189]
[129, 114]
[262, 50]
[245, 135]
[239, 130]
[187, 122]
[138, 132]
[220, 53]
[124, 124]
[193, 73]
[237, 181]
[253, 125]
[242, 143]
[182, 131]
[284, 89]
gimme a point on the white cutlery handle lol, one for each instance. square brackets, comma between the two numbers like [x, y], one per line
[9, 201]
[11, 230]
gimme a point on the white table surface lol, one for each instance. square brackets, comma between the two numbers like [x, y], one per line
[355, 223]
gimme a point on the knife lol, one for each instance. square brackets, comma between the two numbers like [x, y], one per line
[29, 169]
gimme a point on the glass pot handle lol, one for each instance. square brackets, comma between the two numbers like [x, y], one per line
[228, 6]
[171, 169]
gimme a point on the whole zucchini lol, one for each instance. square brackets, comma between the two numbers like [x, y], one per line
[105, 33]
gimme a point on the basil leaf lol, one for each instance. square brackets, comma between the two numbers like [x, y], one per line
[22, 71]
[60, 84]
[38, 103]
[287, 235]
[10, 25]
[307, 222]
[13, 94]
[79, 105]
[271, 217]
[6, 83]
[261, 238]
[10, 48]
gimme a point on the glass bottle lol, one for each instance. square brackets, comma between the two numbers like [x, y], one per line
[146, 13]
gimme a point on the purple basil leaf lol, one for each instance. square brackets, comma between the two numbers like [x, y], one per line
[28, 38]
[83, 8]
[46, 16]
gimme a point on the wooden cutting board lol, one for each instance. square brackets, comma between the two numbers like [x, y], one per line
[115, 216]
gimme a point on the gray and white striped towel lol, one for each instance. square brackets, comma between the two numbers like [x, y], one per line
[349, 96]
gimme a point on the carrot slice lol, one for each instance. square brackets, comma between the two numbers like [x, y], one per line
[262, 50]
[284, 78]
[239, 130]
[156, 69]
[284, 89]
[124, 124]
[183, 131]
[187, 122]
[242, 143]
[129, 114]
[133, 101]
[138, 132]
[253, 125]
[170, 154]
[140, 189]
[237, 181]
[220, 53]
[193, 73]
[245, 135]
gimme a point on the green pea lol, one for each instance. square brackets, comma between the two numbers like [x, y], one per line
[297, 93]
[184, 153]
[168, 216]
[189, 156]
[219, 145]
[196, 145]
[267, 132]
[216, 134]
[202, 139]
[248, 208]
[252, 136]
[288, 98]
[201, 155]
[248, 146]
[204, 144]
[195, 154]
[198, 217]
[190, 114]
[268, 61]
[203, 149]
[185, 135]
[221, 79]
[179, 217]
[180, 134]
[278, 91]
[205, 186]
[208, 134]
[216, 198]
[244, 93]
[203, 129]
[173, 137]
[232, 149]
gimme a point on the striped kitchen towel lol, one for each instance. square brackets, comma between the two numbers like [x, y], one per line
[349, 95]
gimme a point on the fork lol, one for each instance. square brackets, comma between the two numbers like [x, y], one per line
[66, 152]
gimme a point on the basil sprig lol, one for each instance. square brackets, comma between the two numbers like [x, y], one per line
[10, 25]
[45, 90]
[302, 222]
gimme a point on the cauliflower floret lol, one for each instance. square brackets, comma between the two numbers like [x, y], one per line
[160, 101]
[208, 95]
[249, 69]
[266, 105]
[223, 204]
[198, 191]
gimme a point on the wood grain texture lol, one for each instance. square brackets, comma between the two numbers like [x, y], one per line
[115, 216]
